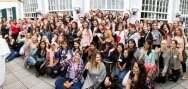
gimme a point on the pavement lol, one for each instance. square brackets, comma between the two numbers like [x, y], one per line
[19, 77]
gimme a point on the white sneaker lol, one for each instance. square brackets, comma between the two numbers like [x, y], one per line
[184, 76]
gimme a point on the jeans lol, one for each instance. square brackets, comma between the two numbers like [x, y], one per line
[59, 84]
[31, 60]
[121, 74]
[12, 55]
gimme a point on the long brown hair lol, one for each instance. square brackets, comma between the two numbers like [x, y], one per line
[181, 32]
[93, 63]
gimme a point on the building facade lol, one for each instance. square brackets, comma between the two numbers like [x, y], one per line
[165, 10]
[10, 10]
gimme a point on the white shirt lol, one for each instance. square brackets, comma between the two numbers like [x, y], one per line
[122, 35]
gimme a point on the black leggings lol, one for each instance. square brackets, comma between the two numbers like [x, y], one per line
[15, 36]
[183, 64]
[175, 75]
[37, 67]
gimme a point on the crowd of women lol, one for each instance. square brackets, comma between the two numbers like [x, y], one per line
[99, 50]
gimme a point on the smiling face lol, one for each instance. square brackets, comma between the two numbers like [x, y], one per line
[125, 54]
[42, 45]
[131, 44]
[77, 57]
[119, 48]
[173, 45]
[146, 46]
[136, 69]
[76, 45]
[98, 58]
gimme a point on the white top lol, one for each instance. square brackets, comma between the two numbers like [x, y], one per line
[122, 35]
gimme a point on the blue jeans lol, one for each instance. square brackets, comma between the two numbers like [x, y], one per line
[121, 74]
[59, 84]
[12, 55]
[31, 60]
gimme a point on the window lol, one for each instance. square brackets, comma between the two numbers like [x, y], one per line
[184, 9]
[107, 5]
[30, 7]
[59, 6]
[154, 9]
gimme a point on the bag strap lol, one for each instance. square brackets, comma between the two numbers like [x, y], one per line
[184, 43]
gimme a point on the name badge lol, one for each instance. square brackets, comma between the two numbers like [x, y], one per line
[175, 56]
[120, 60]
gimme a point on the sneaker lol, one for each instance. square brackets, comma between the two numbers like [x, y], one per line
[27, 66]
[184, 76]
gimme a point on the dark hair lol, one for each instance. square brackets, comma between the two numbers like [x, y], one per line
[176, 42]
[75, 24]
[142, 75]
[93, 43]
[134, 48]
[167, 27]
[74, 47]
[121, 44]
[80, 53]
[114, 56]
[150, 46]
[40, 49]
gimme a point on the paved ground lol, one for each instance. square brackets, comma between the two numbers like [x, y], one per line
[18, 77]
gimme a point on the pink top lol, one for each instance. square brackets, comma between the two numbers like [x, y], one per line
[86, 37]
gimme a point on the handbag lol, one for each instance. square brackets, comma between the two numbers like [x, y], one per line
[184, 54]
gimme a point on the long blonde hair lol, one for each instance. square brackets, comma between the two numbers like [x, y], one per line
[93, 63]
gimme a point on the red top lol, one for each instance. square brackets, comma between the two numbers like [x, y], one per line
[14, 29]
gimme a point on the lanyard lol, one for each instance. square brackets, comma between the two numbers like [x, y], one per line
[146, 36]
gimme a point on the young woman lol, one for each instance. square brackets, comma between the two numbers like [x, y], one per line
[123, 64]
[73, 77]
[86, 35]
[54, 38]
[14, 48]
[30, 50]
[60, 40]
[73, 34]
[96, 71]
[148, 56]
[133, 34]
[63, 53]
[175, 61]
[163, 56]
[76, 47]
[23, 38]
[145, 35]
[54, 58]
[108, 43]
[157, 37]
[182, 44]
[41, 56]
[120, 34]
[15, 29]
[136, 51]
[137, 77]
[117, 53]
[167, 34]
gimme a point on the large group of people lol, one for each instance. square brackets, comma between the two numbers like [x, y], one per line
[99, 50]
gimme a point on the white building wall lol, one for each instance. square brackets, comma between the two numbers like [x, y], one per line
[18, 5]
[173, 8]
